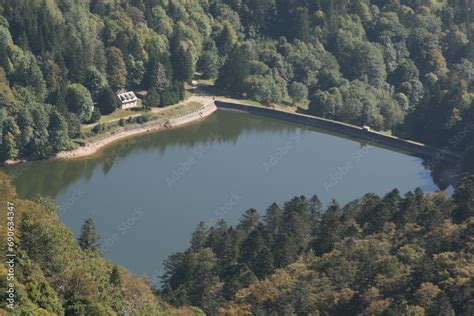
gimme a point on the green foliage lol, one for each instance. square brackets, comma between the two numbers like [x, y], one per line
[404, 57]
[264, 89]
[89, 239]
[95, 81]
[173, 95]
[159, 75]
[58, 132]
[74, 125]
[98, 128]
[116, 69]
[183, 64]
[464, 198]
[9, 148]
[227, 39]
[95, 117]
[53, 275]
[107, 101]
[358, 103]
[79, 101]
[366, 254]
[152, 99]
[298, 92]
[209, 62]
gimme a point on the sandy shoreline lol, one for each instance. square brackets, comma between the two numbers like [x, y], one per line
[93, 147]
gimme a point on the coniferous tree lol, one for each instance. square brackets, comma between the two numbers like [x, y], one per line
[152, 99]
[330, 229]
[89, 239]
[198, 239]
[464, 197]
[183, 64]
[116, 69]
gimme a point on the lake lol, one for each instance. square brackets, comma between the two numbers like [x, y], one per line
[147, 194]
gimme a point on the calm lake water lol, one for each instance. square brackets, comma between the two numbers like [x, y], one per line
[147, 194]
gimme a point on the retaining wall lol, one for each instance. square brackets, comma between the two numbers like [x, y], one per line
[207, 110]
[343, 128]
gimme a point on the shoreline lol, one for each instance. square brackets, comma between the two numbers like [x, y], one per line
[211, 105]
[344, 129]
[150, 127]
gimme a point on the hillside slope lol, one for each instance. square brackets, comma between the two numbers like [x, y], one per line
[390, 255]
[54, 276]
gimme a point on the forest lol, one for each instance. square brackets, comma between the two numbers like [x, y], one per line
[403, 66]
[377, 255]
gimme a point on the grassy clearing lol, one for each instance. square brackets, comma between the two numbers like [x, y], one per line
[88, 135]
[175, 110]
[118, 114]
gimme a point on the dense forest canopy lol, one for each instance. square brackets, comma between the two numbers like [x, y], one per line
[400, 65]
[390, 255]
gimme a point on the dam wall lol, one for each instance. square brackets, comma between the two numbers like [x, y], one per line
[342, 128]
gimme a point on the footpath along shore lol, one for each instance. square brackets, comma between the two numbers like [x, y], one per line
[153, 126]
[211, 104]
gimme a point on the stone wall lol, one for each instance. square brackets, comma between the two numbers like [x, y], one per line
[342, 128]
[204, 112]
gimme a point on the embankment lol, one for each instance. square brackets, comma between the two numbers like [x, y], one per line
[206, 110]
[108, 138]
[344, 129]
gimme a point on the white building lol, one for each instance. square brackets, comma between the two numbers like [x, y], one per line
[128, 99]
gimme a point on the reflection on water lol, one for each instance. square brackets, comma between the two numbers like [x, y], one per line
[50, 177]
[153, 190]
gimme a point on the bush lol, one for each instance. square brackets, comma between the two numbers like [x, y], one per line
[95, 117]
[74, 125]
[143, 119]
[98, 128]
[122, 122]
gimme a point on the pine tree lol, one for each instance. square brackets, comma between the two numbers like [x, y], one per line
[273, 221]
[464, 198]
[250, 220]
[183, 64]
[330, 230]
[116, 69]
[302, 26]
[199, 237]
[227, 39]
[89, 239]
[152, 99]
